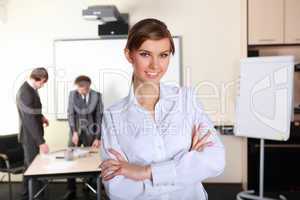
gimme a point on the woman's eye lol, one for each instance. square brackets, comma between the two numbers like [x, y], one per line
[144, 54]
[164, 55]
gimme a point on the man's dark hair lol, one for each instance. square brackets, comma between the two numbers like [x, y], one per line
[39, 74]
[83, 80]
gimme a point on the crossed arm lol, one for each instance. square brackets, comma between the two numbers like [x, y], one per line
[204, 159]
[121, 167]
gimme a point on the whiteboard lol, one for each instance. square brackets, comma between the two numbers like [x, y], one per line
[264, 106]
[103, 60]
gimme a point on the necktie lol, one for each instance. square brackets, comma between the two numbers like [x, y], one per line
[84, 99]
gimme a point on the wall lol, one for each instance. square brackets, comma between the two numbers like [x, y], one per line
[212, 45]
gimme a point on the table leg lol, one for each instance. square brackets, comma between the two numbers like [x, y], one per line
[30, 189]
[98, 188]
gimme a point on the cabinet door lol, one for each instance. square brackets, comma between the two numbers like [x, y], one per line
[265, 21]
[292, 21]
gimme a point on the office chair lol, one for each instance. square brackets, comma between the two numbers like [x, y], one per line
[11, 158]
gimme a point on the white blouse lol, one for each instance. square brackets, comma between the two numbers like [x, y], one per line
[163, 144]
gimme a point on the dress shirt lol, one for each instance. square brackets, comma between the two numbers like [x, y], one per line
[164, 143]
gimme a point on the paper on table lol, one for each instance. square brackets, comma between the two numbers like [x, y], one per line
[55, 165]
[58, 166]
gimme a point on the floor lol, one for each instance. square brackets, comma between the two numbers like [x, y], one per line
[215, 192]
[56, 191]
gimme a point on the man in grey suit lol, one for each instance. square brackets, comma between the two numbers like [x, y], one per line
[85, 110]
[31, 133]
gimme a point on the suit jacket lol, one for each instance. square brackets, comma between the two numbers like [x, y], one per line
[85, 117]
[30, 115]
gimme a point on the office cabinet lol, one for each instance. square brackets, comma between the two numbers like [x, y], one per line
[281, 163]
[292, 21]
[265, 22]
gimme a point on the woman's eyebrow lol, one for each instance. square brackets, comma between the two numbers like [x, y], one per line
[144, 50]
[164, 51]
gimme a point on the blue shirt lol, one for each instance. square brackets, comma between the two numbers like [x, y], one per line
[163, 143]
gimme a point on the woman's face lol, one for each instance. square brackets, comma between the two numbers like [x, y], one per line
[150, 62]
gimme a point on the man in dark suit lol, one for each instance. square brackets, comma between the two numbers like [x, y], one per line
[31, 133]
[85, 110]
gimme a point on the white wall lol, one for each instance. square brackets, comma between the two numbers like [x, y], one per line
[212, 45]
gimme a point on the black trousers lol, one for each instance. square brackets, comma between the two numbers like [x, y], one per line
[86, 141]
[31, 150]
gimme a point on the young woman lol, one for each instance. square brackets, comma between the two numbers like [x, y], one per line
[157, 143]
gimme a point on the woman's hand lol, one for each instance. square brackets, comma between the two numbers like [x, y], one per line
[111, 168]
[198, 144]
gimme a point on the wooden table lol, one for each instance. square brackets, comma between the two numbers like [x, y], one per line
[53, 166]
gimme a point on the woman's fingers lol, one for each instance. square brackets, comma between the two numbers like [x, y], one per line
[111, 166]
[117, 154]
[108, 177]
[109, 170]
[200, 147]
[194, 136]
[112, 175]
[107, 163]
[199, 127]
[200, 144]
[117, 172]
[205, 137]
[196, 130]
